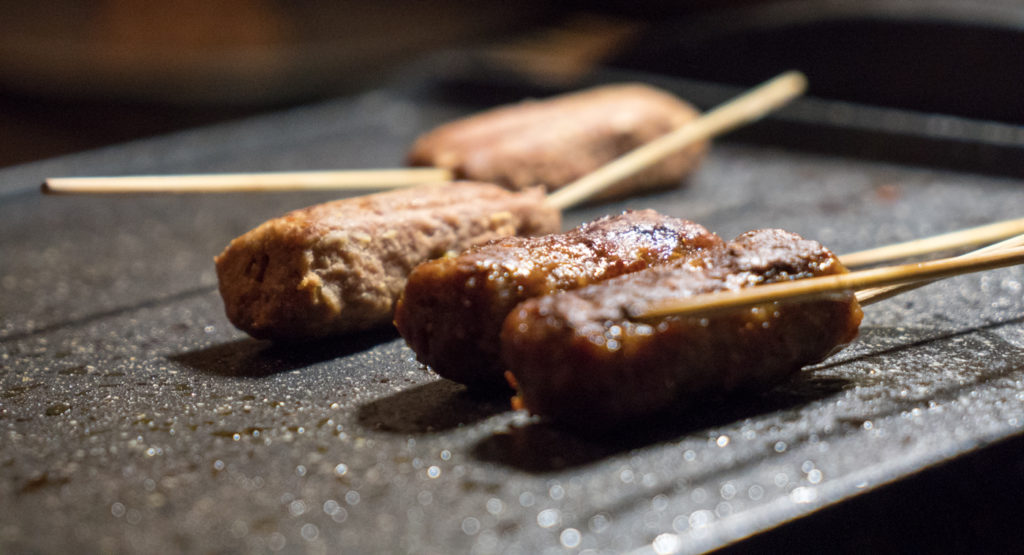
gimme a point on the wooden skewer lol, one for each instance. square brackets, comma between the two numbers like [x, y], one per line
[238, 182]
[745, 108]
[876, 294]
[946, 242]
[825, 285]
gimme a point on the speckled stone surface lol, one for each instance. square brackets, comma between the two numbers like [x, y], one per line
[134, 418]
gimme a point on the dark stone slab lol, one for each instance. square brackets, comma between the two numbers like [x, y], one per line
[134, 418]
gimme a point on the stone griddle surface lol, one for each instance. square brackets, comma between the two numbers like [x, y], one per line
[134, 417]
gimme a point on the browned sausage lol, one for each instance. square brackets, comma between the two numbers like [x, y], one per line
[340, 266]
[553, 142]
[453, 307]
[578, 358]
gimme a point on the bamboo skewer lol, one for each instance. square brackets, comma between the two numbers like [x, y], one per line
[746, 108]
[946, 242]
[239, 182]
[876, 294]
[902, 277]
[825, 285]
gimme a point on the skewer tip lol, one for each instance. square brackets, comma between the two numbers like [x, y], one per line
[797, 78]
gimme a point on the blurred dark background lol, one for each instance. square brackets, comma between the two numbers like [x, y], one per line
[77, 74]
[81, 75]
[948, 76]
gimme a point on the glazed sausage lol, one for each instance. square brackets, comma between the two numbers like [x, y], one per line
[578, 358]
[452, 309]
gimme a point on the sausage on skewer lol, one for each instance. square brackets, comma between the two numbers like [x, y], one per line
[555, 141]
[302, 276]
[339, 266]
[532, 143]
[578, 358]
[452, 309]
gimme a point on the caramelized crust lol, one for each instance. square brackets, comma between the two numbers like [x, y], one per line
[578, 358]
[555, 141]
[338, 267]
[453, 307]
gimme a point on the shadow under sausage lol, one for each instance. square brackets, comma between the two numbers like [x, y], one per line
[252, 358]
[433, 407]
[540, 446]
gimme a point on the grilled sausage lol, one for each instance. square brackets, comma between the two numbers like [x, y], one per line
[578, 358]
[452, 309]
[556, 141]
[340, 266]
